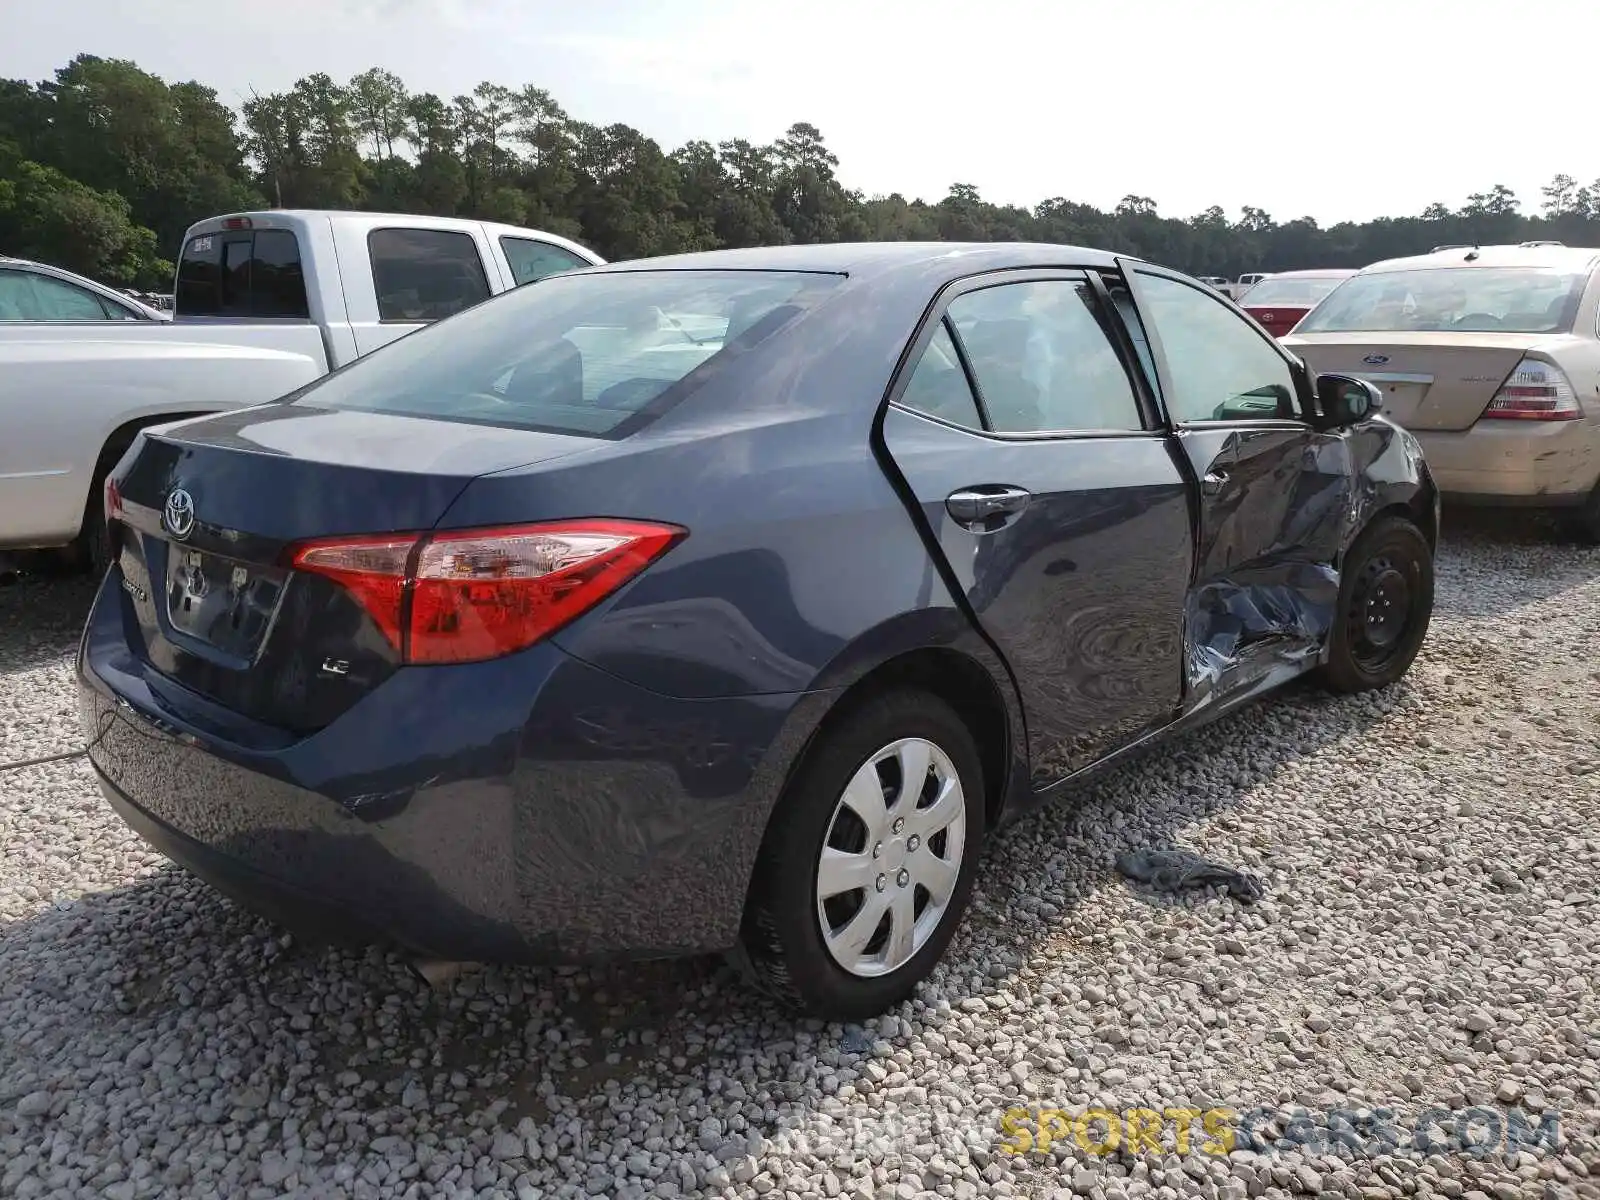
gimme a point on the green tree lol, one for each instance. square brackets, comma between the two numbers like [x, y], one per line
[47, 216]
[126, 155]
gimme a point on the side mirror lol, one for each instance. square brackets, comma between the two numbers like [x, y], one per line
[1346, 400]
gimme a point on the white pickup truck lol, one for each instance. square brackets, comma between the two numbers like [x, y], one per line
[265, 303]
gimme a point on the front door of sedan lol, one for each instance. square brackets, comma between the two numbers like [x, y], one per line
[1056, 505]
[1273, 491]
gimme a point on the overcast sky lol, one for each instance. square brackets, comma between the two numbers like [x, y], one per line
[1340, 109]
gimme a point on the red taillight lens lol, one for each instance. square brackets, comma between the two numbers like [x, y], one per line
[469, 595]
[1535, 391]
[113, 500]
[373, 570]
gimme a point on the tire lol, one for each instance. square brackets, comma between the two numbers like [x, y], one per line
[783, 947]
[1389, 565]
[96, 536]
[93, 547]
[1583, 525]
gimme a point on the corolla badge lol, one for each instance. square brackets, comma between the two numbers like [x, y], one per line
[1376, 360]
[178, 513]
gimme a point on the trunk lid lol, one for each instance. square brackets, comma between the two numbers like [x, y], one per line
[1430, 381]
[211, 507]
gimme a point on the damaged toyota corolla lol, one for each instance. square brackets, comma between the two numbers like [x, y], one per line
[726, 602]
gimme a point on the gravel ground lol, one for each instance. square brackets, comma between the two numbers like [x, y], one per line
[1429, 941]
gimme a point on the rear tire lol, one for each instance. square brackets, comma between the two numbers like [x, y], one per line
[1385, 603]
[859, 950]
[93, 547]
[96, 537]
[1583, 525]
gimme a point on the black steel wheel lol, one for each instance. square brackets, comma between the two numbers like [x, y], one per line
[1385, 603]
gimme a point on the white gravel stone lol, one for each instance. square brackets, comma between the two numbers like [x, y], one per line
[1429, 939]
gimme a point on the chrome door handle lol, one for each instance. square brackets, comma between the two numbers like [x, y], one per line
[1213, 482]
[980, 505]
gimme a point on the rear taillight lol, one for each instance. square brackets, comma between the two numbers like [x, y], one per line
[113, 500]
[468, 595]
[1535, 391]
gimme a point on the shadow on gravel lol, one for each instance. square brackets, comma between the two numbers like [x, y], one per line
[40, 619]
[1507, 538]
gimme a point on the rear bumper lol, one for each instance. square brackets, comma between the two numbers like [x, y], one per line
[1542, 464]
[532, 809]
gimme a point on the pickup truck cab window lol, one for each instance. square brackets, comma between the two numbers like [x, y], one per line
[531, 260]
[425, 274]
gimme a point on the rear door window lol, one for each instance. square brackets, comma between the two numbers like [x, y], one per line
[1043, 360]
[532, 260]
[425, 274]
[938, 387]
[242, 273]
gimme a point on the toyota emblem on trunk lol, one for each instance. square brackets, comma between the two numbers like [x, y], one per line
[178, 513]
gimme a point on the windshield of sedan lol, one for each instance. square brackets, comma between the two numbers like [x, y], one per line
[590, 354]
[1452, 299]
[1298, 293]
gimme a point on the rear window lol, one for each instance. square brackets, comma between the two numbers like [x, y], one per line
[425, 274]
[595, 354]
[1301, 293]
[242, 273]
[531, 260]
[1458, 299]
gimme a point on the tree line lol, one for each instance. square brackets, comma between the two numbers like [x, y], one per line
[103, 167]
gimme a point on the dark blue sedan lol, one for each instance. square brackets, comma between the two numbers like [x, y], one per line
[726, 602]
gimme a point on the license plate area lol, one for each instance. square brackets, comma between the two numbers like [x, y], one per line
[1402, 394]
[227, 604]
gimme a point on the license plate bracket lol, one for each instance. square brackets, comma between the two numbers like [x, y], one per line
[225, 603]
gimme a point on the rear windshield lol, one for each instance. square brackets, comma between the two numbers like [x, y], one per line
[582, 354]
[242, 273]
[1458, 299]
[1302, 293]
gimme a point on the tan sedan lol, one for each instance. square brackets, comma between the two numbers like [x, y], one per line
[1491, 356]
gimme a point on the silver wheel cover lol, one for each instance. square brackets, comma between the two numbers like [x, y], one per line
[890, 857]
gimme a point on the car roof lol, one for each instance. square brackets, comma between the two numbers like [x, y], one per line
[1572, 258]
[874, 258]
[1315, 273]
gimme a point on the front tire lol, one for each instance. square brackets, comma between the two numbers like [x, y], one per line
[869, 861]
[1385, 603]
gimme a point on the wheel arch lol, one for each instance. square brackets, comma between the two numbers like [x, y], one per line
[935, 650]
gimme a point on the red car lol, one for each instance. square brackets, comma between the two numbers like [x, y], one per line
[1279, 301]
